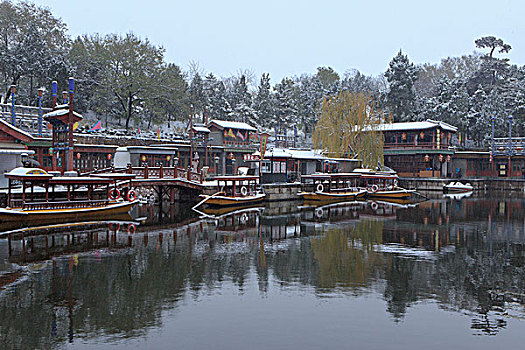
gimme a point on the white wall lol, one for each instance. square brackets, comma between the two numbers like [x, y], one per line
[7, 163]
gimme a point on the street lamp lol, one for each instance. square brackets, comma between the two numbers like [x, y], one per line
[217, 165]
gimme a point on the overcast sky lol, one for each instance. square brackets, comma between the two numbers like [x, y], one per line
[286, 38]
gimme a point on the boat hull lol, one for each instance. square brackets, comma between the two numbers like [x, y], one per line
[57, 216]
[392, 194]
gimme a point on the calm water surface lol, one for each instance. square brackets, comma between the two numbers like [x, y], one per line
[445, 273]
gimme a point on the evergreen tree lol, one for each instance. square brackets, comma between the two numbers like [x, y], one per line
[286, 107]
[264, 103]
[401, 76]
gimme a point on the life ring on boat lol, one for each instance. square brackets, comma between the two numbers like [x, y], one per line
[320, 188]
[244, 190]
[375, 188]
[244, 218]
[395, 182]
[131, 228]
[114, 194]
[374, 206]
[319, 212]
[114, 226]
[131, 195]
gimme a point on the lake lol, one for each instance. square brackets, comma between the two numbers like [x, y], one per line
[445, 273]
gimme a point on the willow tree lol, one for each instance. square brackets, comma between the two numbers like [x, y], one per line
[348, 127]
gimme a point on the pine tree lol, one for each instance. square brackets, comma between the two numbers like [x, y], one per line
[286, 105]
[264, 103]
[401, 76]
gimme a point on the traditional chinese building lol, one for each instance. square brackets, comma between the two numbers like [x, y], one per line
[419, 149]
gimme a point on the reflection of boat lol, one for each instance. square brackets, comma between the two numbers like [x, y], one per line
[457, 187]
[29, 210]
[330, 188]
[234, 191]
[224, 211]
[122, 221]
[457, 196]
[334, 212]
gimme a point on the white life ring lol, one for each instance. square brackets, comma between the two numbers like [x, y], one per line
[131, 195]
[375, 188]
[319, 212]
[395, 182]
[244, 190]
[244, 218]
[320, 188]
[374, 206]
[114, 194]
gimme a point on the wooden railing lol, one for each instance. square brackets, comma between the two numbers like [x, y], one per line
[421, 145]
[160, 172]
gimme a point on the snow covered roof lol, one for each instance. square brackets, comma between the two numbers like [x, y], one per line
[21, 171]
[233, 125]
[60, 112]
[428, 124]
[14, 128]
[292, 153]
[201, 129]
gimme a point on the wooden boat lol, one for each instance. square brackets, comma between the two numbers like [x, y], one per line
[381, 185]
[457, 187]
[234, 191]
[45, 207]
[331, 188]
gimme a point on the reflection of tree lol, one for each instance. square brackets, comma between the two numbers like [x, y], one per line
[348, 259]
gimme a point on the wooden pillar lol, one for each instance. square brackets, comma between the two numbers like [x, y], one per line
[23, 193]
[9, 185]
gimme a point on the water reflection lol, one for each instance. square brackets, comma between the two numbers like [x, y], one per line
[102, 282]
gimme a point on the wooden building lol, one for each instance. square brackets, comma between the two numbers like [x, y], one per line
[419, 149]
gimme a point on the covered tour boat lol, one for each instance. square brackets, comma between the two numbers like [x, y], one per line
[36, 197]
[331, 188]
[382, 185]
[234, 191]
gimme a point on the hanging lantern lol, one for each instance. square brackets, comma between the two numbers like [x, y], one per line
[403, 136]
[449, 136]
[448, 158]
[50, 151]
[427, 158]
[440, 157]
[109, 156]
[143, 158]
[168, 157]
[78, 155]
[421, 135]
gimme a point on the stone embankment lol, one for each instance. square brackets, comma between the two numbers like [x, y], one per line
[492, 184]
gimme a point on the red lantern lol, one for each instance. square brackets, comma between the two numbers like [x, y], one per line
[143, 158]
[109, 156]
[427, 158]
[78, 155]
[422, 135]
[403, 136]
[448, 158]
[168, 158]
[440, 157]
